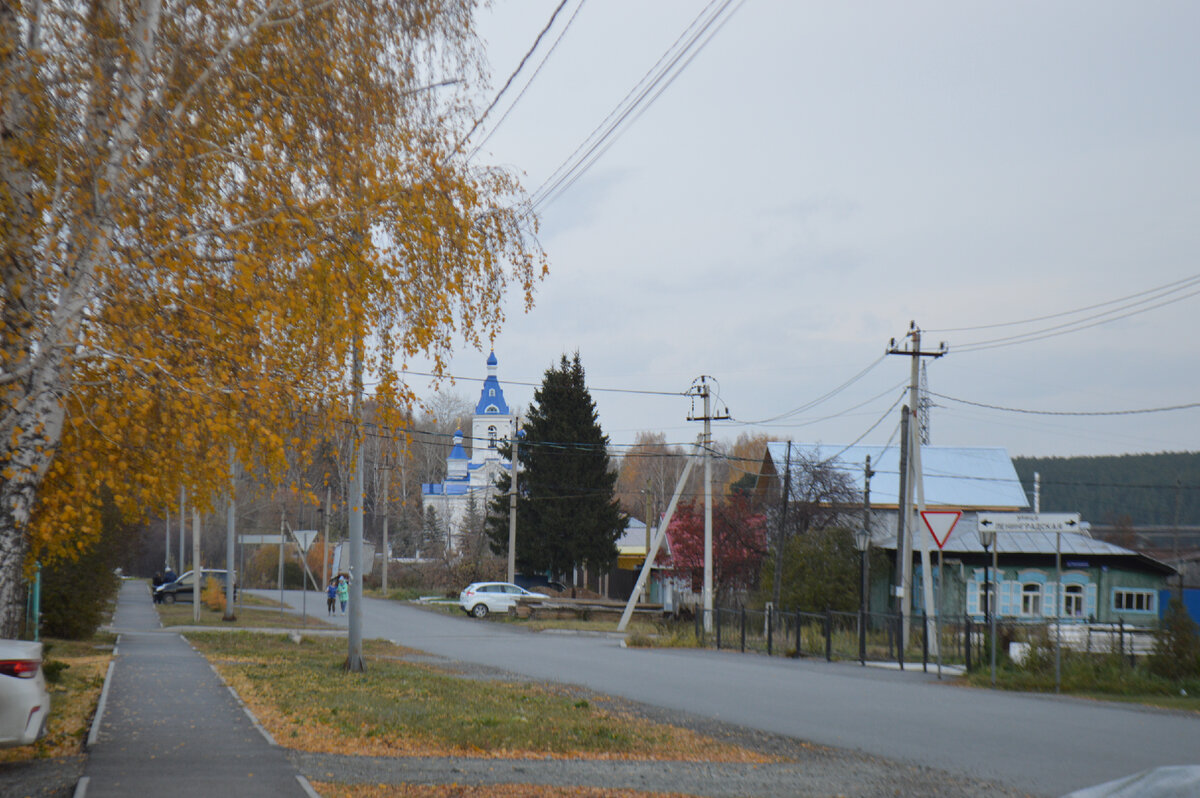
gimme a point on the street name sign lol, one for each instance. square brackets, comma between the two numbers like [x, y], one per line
[1030, 522]
[940, 524]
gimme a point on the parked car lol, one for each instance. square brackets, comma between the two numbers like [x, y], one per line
[181, 588]
[480, 598]
[24, 700]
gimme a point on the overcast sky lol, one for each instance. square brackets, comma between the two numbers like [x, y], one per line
[821, 174]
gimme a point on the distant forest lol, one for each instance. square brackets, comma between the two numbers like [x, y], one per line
[1139, 487]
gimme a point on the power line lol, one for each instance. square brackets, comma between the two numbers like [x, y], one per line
[1135, 412]
[1074, 326]
[511, 77]
[532, 78]
[1174, 286]
[574, 166]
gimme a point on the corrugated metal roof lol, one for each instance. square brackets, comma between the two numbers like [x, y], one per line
[964, 539]
[961, 477]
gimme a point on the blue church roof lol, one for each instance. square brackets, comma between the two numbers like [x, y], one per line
[458, 452]
[491, 398]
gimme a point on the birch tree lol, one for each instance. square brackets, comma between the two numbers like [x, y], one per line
[206, 206]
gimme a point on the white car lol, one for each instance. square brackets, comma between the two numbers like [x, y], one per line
[24, 700]
[480, 598]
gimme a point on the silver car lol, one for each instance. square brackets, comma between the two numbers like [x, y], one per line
[24, 700]
[480, 598]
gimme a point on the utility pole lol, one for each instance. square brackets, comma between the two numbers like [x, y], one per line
[182, 527]
[167, 552]
[912, 437]
[387, 471]
[704, 392]
[781, 536]
[325, 547]
[354, 655]
[197, 571]
[512, 505]
[866, 562]
[230, 533]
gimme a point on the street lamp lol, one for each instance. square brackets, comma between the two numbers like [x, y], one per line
[987, 537]
[862, 542]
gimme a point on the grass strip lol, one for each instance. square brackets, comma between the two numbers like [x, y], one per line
[81, 666]
[255, 613]
[302, 695]
[332, 790]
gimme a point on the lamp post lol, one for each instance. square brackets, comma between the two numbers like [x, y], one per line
[862, 541]
[987, 537]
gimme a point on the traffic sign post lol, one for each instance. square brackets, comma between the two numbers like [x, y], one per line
[940, 524]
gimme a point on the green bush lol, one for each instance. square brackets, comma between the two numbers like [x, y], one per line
[1177, 648]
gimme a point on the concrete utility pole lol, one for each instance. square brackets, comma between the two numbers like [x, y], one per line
[354, 655]
[866, 562]
[167, 551]
[325, 548]
[182, 528]
[512, 504]
[704, 392]
[912, 437]
[197, 571]
[230, 533]
[903, 586]
[387, 470]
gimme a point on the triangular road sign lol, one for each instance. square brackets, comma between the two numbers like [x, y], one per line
[940, 524]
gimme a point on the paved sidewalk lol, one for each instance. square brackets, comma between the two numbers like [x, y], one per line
[168, 726]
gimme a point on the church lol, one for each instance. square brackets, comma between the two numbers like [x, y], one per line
[473, 477]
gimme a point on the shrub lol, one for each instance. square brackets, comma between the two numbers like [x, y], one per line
[1176, 653]
[213, 595]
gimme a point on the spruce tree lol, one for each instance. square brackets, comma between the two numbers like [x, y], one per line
[567, 511]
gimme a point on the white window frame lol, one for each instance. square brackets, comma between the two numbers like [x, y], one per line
[1078, 597]
[1130, 597]
[1031, 600]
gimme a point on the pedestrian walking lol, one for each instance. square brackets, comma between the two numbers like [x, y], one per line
[331, 596]
[343, 592]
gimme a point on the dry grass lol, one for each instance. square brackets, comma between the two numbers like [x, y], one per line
[73, 698]
[301, 694]
[331, 790]
[253, 613]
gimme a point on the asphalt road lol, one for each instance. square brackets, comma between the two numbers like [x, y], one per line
[1045, 745]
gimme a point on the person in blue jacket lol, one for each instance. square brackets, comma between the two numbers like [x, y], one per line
[330, 596]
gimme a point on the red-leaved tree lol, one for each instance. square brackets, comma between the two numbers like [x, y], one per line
[739, 543]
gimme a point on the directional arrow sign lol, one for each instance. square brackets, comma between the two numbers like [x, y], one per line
[1030, 522]
[940, 524]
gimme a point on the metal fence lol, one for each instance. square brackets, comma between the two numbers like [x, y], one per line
[875, 637]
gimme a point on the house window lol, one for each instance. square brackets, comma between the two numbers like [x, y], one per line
[987, 598]
[491, 437]
[1031, 599]
[1073, 601]
[1134, 600]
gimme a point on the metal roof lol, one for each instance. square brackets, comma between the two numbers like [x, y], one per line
[962, 477]
[964, 539]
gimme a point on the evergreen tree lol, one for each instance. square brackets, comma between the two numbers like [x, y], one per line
[567, 511]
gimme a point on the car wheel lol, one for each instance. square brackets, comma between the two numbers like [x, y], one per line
[168, 598]
[479, 610]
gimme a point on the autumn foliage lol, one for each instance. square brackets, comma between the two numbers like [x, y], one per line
[738, 543]
[207, 212]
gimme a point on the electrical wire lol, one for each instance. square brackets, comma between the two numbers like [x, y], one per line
[830, 394]
[511, 78]
[1174, 286]
[1073, 326]
[529, 82]
[579, 161]
[1139, 411]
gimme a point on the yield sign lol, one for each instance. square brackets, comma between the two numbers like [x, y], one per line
[940, 524]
